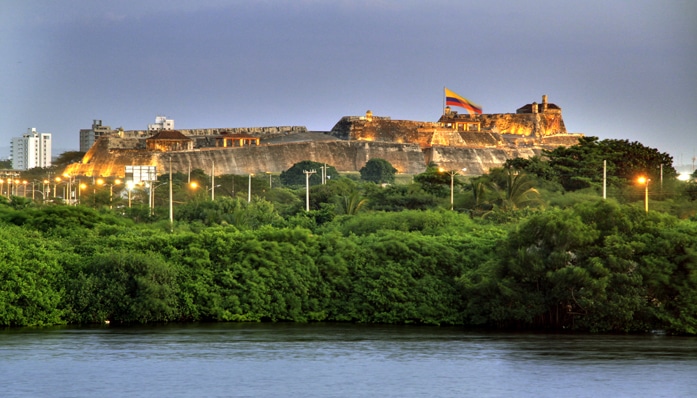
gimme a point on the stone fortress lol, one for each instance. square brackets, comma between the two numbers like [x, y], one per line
[476, 143]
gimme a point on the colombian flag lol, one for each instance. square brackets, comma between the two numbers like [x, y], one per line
[452, 99]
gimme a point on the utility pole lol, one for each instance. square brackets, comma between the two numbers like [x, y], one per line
[604, 179]
[213, 181]
[249, 189]
[324, 174]
[307, 188]
[171, 207]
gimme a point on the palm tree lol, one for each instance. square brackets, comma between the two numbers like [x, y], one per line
[351, 204]
[517, 192]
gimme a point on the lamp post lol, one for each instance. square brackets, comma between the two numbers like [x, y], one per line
[69, 188]
[307, 187]
[80, 187]
[452, 174]
[645, 181]
[269, 173]
[56, 181]
[46, 188]
[129, 187]
[100, 181]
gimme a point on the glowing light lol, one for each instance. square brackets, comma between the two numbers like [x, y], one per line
[642, 180]
[684, 176]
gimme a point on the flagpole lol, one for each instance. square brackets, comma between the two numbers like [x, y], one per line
[443, 107]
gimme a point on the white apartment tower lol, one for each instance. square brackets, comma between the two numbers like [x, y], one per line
[31, 150]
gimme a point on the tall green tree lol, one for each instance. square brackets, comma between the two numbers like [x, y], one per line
[581, 165]
[295, 175]
[378, 171]
[434, 180]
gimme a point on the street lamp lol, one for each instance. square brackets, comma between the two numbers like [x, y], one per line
[129, 187]
[452, 174]
[47, 188]
[55, 187]
[645, 181]
[100, 181]
[81, 186]
[69, 187]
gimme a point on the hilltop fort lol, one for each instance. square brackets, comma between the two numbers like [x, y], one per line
[456, 141]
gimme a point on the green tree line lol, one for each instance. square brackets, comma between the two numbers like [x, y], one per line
[521, 250]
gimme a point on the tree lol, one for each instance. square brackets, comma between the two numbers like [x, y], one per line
[378, 171]
[516, 191]
[581, 165]
[66, 158]
[296, 176]
[434, 181]
[351, 204]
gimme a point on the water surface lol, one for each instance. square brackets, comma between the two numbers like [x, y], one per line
[337, 360]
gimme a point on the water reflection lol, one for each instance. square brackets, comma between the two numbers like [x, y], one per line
[320, 360]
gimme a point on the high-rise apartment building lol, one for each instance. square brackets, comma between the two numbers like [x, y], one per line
[31, 150]
[89, 136]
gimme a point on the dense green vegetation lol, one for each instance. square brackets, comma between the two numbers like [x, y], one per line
[520, 251]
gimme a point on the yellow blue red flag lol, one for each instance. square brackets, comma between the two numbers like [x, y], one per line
[452, 99]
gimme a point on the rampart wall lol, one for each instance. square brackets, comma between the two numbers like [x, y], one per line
[343, 155]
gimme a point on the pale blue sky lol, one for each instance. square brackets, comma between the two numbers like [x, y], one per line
[619, 69]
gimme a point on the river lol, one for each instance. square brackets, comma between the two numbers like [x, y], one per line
[338, 360]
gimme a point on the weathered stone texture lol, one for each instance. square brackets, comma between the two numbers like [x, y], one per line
[535, 125]
[343, 155]
[477, 161]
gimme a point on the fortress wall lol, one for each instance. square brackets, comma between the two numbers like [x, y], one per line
[561, 140]
[477, 160]
[383, 130]
[525, 124]
[343, 155]
[480, 139]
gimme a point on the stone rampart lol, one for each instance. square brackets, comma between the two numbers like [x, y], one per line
[524, 124]
[477, 161]
[343, 155]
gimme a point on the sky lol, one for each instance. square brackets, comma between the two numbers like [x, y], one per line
[618, 69]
